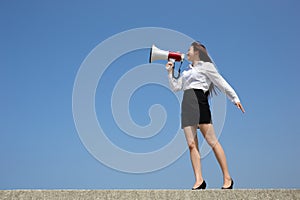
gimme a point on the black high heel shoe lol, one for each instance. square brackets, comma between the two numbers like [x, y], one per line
[200, 187]
[228, 188]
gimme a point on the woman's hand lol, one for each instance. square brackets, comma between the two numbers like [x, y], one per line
[239, 105]
[169, 66]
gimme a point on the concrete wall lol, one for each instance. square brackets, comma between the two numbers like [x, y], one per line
[284, 194]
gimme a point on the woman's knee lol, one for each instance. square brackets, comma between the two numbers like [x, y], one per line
[211, 141]
[192, 145]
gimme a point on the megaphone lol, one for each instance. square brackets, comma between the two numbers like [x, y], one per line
[158, 54]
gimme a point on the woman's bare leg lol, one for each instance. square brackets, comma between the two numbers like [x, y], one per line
[192, 141]
[208, 133]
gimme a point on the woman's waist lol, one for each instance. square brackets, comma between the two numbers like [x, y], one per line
[199, 91]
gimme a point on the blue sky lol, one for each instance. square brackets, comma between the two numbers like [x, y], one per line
[255, 45]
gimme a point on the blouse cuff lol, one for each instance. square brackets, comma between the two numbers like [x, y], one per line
[235, 100]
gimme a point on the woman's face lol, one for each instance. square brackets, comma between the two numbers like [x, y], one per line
[191, 56]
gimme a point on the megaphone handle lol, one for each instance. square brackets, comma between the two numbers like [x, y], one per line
[172, 60]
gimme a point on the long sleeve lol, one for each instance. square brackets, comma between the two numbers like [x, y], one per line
[175, 84]
[221, 83]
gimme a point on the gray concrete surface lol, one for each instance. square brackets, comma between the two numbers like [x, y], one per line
[284, 194]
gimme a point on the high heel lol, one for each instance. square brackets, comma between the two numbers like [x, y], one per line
[200, 187]
[228, 188]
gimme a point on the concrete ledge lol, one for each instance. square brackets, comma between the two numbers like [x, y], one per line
[264, 194]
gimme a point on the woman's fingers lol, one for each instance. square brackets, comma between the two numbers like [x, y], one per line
[169, 65]
[239, 105]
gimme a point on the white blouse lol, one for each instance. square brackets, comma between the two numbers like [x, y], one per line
[201, 76]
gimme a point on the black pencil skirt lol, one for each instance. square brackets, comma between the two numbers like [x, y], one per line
[195, 108]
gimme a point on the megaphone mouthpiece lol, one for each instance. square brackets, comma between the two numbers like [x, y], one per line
[176, 56]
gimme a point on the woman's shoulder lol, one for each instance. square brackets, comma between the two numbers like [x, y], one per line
[205, 66]
[208, 64]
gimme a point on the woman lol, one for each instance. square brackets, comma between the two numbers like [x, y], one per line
[198, 81]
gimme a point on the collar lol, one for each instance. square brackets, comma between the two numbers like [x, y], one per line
[199, 63]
